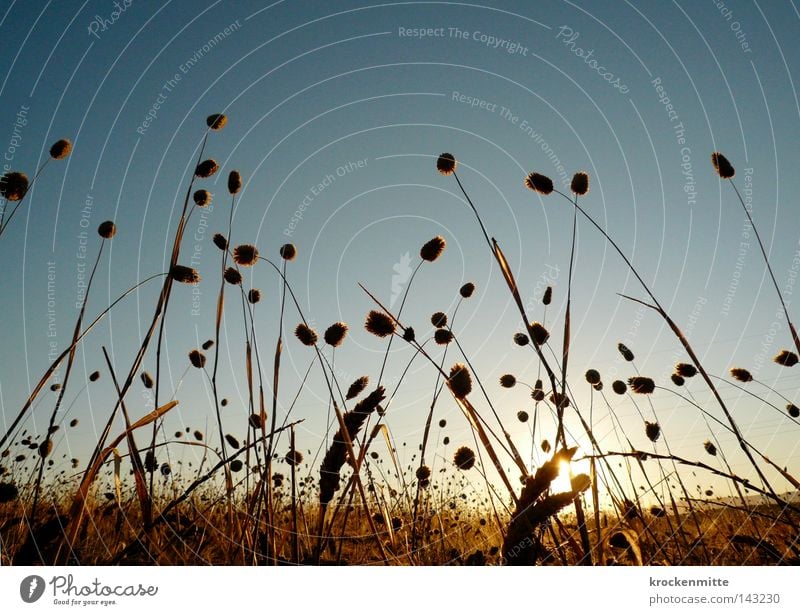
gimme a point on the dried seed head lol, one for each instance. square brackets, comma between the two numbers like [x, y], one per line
[8, 492]
[619, 387]
[625, 352]
[507, 381]
[446, 164]
[357, 387]
[232, 441]
[467, 290]
[294, 457]
[559, 400]
[580, 183]
[197, 358]
[592, 376]
[207, 344]
[741, 374]
[522, 416]
[254, 295]
[184, 275]
[793, 410]
[786, 358]
[306, 335]
[45, 448]
[61, 149]
[107, 229]
[232, 276]
[94, 376]
[687, 370]
[256, 422]
[433, 249]
[460, 381]
[335, 334]
[539, 334]
[220, 241]
[439, 319]
[443, 336]
[216, 121]
[548, 295]
[288, 252]
[245, 255]
[642, 385]
[539, 183]
[207, 168]
[409, 335]
[147, 380]
[710, 448]
[545, 446]
[464, 458]
[678, 380]
[198, 435]
[166, 469]
[14, 185]
[721, 165]
[442, 423]
[520, 339]
[423, 473]
[202, 198]
[653, 430]
[598, 386]
[537, 394]
[379, 324]
[55, 386]
[234, 182]
[73, 423]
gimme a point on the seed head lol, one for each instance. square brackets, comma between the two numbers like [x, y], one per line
[409, 335]
[294, 457]
[216, 121]
[580, 183]
[460, 381]
[234, 182]
[184, 275]
[8, 492]
[522, 416]
[256, 422]
[61, 149]
[232, 276]
[721, 165]
[245, 255]
[653, 430]
[464, 458]
[94, 376]
[335, 334]
[786, 358]
[710, 448]
[642, 385]
[254, 295]
[559, 400]
[443, 336]
[423, 473]
[232, 441]
[439, 319]
[507, 381]
[545, 446]
[520, 339]
[357, 387]
[793, 410]
[197, 359]
[592, 376]
[207, 168]
[14, 185]
[539, 183]
[433, 249]
[619, 387]
[147, 380]
[625, 352]
[202, 198]
[379, 324]
[741, 374]
[678, 380]
[467, 290]
[207, 344]
[446, 164]
[548, 295]
[540, 335]
[107, 229]
[306, 335]
[288, 252]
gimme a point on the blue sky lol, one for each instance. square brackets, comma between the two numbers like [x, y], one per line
[340, 112]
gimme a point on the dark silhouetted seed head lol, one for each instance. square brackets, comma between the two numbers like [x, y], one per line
[446, 164]
[220, 241]
[232, 441]
[207, 344]
[548, 295]
[216, 121]
[409, 335]
[197, 359]
[207, 168]
[107, 229]
[147, 380]
[467, 290]
[710, 448]
[202, 198]
[254, 295]
[522, 416]
[232, 276]
[443, 336]
[439, 319]
[460, 381]
[520, 339]
[423, 473]
[721, 165]
[184, 275]
[625, 352]
[245, 255]
[335, 334]
[14, 185]
[294, 457]
[559, 400]
[539, 183]
[545, 446]
[464, 458]
[539, 334]
[641, 385]
[234, 182]
[306, 335]
[592, 376]
[507, 381]
[256, 422]
[741, 374]
[433, 249]
[61, 149]
[378, 323]
[785, 358]
[677, 379]
[288, 252]
[94, 376]
[687, 370]
[580, 183]
[357, 387]
[653, 430]
[793, 410]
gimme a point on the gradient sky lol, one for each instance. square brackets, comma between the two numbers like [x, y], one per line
[311, 89]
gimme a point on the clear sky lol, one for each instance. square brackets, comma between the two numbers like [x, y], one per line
[337, 111]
